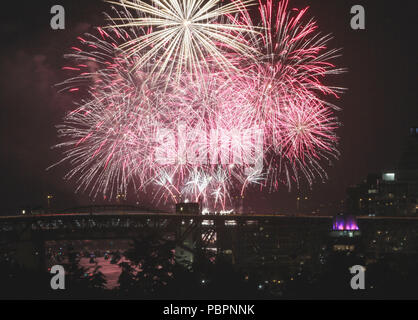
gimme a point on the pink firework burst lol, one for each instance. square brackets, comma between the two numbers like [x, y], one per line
[264, 118]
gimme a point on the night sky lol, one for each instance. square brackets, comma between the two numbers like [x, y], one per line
[378, 107]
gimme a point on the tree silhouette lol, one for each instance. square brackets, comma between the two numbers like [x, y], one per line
[79, 281]
[149, 267]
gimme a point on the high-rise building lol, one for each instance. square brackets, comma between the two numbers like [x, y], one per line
[393, 192]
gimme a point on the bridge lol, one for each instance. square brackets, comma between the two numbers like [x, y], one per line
[128, 222]
[220, 233]
[106, 222]
[245, 237]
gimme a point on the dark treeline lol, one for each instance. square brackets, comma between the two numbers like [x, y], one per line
[150, 271]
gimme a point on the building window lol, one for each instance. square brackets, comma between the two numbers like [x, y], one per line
[388, 176]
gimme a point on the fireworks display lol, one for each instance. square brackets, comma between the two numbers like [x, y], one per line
[196, 99]
[184, 35]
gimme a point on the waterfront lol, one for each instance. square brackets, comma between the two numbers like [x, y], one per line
[232, 256]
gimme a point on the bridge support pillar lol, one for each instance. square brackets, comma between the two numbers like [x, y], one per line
[187, 237]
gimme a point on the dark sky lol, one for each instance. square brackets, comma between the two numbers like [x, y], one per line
[378, 107]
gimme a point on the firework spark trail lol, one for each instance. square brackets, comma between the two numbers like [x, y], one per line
[185, 35]
[218, 148]
[288, 96]
[114, 130]
[108, 135]
[148, 120]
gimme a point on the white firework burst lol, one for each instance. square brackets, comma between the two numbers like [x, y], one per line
[185, 35]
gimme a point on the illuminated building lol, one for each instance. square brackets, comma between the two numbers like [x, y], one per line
[345, 233]
[393, 192]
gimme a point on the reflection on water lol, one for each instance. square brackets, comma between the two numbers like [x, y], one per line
[111, 271]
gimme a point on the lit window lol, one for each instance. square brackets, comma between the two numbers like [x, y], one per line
[388, 176]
